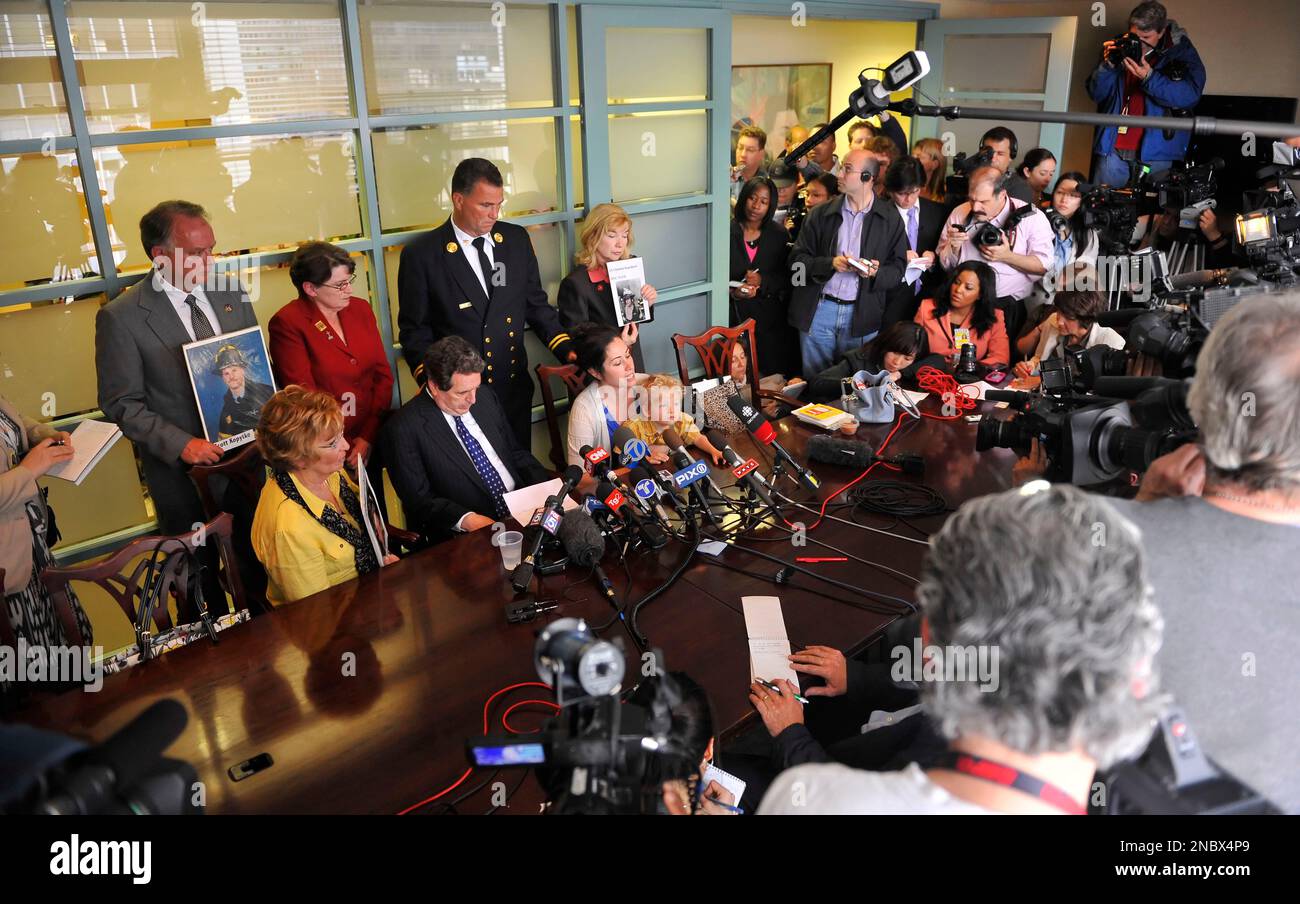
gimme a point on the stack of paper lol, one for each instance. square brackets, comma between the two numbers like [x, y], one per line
[90, 443]
[769, 646]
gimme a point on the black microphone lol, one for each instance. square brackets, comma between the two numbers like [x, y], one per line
[763, 431]
[120, 762]
[682, 459]
[674, 441]
[745, 470]
[664, 491]
[597, 459]
[854, 453]
[619, 443]
[549, 522]
[615, 500]
[585, 545]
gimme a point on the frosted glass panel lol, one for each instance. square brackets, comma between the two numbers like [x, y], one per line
[110, 499]
[413, 168]
[270, 288]
[31, 90]
[46, 236]
[995, 62]
[47, 358]
[656, 64]
[968, 131]
[165, 65]
[262, 192]
[675, 245]
[423, 58]
[655, 155]
[689, 316]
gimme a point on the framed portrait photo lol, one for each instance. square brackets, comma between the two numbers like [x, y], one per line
[231, 377]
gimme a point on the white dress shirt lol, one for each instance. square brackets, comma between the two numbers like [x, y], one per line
[471, 253]
[493, 458]
[177, 298]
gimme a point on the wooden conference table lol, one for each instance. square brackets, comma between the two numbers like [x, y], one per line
[364, 694]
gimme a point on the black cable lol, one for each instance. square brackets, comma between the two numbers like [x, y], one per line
[829, 580]
[898, 498]
[451, 807]
[677, 572]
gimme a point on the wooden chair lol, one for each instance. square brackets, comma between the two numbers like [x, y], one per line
[125, 586]
[574, 380]
[714, 348]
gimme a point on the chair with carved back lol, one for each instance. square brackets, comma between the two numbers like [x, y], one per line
[714, 348]
[574, 381]
[124, 578]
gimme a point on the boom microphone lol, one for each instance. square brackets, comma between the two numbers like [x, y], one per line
[549, 523]
[763, 431]
[857, 454]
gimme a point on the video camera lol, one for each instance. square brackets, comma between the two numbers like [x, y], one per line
[1269, 236]
[600, 754]
[1091, 439]
[957, 186]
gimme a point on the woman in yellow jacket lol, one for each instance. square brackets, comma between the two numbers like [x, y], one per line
[307, 531]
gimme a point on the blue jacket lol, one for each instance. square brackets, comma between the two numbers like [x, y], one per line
[1175, 83]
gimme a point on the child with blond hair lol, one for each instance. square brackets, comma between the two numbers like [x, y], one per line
[663, 409]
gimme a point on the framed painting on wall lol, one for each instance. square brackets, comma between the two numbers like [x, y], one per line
[775, 98]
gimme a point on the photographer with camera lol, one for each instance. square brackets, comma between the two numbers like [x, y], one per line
[1071, 326]
[1220, 521]
[850, 253]
[1012, 236]
[1000, 145]
[1075, 634]
[1152, 70]
[1074, 243]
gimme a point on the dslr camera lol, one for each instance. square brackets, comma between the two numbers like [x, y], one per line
[1127, 46]
[957, 186]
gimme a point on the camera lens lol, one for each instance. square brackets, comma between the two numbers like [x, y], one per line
[1008, 434]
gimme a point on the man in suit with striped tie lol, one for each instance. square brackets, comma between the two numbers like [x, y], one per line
[451, 453]
[144, 385]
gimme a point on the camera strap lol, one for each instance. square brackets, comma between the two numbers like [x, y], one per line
[1008, 777]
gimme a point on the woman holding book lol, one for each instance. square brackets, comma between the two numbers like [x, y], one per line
[585, 295]
[28, 450]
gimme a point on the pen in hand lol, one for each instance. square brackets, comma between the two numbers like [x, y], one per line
[772, 687]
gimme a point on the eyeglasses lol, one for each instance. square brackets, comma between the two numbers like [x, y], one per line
[342, 285]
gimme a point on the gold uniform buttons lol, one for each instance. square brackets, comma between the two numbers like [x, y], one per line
[507, 320]
[512, 335]
[489, 354]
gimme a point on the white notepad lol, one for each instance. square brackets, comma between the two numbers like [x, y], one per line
[769, 645]
[713, 774]
[90, 443]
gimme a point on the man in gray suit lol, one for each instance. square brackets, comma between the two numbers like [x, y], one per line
[144, 386]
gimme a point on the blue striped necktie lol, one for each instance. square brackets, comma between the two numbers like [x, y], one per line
[484, 467]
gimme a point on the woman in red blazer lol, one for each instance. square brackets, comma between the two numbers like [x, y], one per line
[965, 310]
[327, 340]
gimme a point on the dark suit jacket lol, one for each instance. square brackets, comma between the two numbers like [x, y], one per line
[903, 302]
[319, 359]
[581, 301]
[883, 239]
[778, 345]
[439, 295]
[430, 471]
[144, 387]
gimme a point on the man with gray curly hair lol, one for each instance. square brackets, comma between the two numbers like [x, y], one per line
[1220, 521]
[1052, 582]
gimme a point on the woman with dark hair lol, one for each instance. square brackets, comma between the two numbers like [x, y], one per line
[1037, 169]
[759, 277]
[965, 310]
[1074, 242]
[327, 339]
[894, 351]
[611, 398]
[820, 189]
[678, 768]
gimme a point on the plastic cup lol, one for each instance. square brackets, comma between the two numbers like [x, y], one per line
[511, 543]
[850, 428]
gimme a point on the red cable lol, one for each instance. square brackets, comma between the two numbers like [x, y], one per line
[822, 514]
[486, 706]
[514, 706]
[952, 393]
